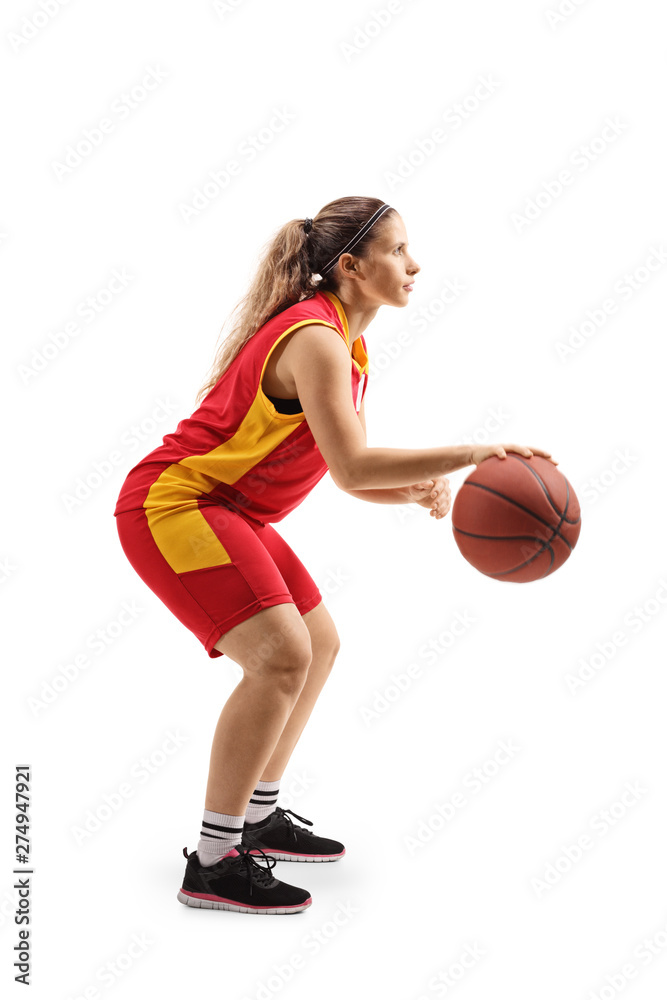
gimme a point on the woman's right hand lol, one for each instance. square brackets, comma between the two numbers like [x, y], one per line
[479, 452]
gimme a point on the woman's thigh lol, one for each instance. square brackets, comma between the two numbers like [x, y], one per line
[215, 571]
[277, 633]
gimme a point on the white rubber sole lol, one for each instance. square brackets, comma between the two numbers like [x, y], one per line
[302, 857]
[213, 904]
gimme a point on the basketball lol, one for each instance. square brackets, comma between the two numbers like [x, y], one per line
[516, 519]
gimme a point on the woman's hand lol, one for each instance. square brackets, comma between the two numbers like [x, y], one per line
[482, 451]
[433, 493]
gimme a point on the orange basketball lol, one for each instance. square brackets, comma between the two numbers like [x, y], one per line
[516, 518]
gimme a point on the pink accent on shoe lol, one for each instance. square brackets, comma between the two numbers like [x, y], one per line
[230, 854]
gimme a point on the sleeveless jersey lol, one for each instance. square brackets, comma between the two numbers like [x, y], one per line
[237, 448]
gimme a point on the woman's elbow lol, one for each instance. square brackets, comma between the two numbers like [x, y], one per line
[349, 474]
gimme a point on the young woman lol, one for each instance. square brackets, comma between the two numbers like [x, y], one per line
[284, 404]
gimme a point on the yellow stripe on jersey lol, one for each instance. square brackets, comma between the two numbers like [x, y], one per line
[194, 545]
[259, 433]
[362, 360]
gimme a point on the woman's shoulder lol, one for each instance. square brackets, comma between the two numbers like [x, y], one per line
[318, 308]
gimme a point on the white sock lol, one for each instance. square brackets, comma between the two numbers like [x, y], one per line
[262, 801]
[219, 833]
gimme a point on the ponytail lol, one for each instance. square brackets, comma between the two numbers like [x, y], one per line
[287, 271]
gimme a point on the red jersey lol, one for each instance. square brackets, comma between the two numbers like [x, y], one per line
[236, 448]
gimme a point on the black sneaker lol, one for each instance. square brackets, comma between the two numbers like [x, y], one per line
[279, 838]
[238, 882]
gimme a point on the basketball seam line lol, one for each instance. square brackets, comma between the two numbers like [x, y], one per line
[503, 538]
[546, 545]
[532, 513]
[548, 495]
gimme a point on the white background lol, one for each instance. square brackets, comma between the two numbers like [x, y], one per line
[392, 921]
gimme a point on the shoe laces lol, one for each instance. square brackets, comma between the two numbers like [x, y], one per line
[256, 872]
[291, 825]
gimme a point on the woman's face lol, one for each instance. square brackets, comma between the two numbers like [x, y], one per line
[383, 275]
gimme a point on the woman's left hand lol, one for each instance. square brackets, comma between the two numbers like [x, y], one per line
[433, 493]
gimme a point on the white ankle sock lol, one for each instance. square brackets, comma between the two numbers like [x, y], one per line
[262, 801]
[219, 833]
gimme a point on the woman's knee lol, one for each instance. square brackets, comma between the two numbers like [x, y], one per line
[324, 638]
[274, 644]
[325, 653]
[287, 674]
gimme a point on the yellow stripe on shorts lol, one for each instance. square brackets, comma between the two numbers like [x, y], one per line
[180, 530]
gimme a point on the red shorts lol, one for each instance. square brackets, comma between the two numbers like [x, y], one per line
[212, 567]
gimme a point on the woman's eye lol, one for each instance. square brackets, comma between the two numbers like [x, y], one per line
[399, 248]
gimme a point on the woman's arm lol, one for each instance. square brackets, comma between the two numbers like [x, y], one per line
[393, 494]
[320, 367]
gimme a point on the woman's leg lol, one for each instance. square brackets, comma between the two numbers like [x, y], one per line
[325, 644]
[274, 650]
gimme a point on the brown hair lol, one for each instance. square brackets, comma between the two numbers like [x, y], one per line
[288, 266]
